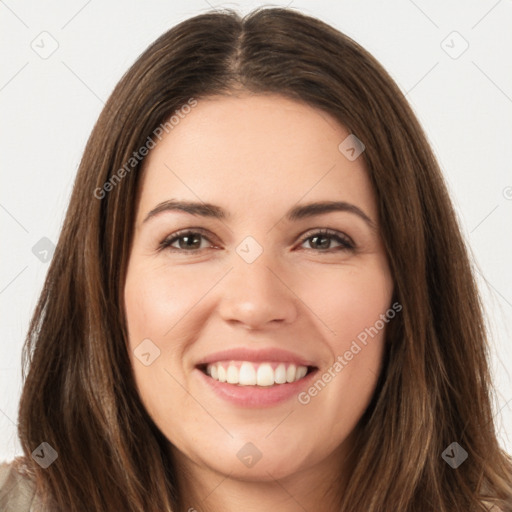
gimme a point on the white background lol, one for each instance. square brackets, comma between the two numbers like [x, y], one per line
[48, 108]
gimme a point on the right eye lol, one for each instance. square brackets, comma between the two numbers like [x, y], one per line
[188, 241]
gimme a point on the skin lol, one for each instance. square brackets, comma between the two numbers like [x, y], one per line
[256, 156]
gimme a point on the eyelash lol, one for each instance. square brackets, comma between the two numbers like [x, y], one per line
[344, 240]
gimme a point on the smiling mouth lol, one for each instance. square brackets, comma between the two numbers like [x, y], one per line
[261, 374]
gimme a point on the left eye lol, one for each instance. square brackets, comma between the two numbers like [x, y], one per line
[190, 241]
[326, 234]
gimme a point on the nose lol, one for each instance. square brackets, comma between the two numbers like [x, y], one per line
[257, 296]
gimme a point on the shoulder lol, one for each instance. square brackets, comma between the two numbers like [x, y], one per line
[17, 488]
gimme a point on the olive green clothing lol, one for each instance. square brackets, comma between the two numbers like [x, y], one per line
[17, 489]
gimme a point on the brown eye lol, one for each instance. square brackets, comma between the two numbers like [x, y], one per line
[321, 241]
[188, 241]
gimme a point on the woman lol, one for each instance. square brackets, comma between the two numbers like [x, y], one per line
[260, 296]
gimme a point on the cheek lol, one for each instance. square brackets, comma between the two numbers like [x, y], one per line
[155, 301]
[164, 307]
[154, 305]
[352, 304]
[349, 300]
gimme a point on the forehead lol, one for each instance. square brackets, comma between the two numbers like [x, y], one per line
[254, 152]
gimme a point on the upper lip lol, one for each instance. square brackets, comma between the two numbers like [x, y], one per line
[246, 354]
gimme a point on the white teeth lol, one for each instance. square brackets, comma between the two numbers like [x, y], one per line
[265, 375]
[301, 372]
[280, 374]
[232, 374]
[245, 373]
[290, 373]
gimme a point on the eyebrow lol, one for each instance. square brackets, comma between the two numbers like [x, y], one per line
[294, 214]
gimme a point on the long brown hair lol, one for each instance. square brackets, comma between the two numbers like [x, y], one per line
[79, 394]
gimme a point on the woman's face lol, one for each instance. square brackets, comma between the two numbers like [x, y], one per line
[248, 285]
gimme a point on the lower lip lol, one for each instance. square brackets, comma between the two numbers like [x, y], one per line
[256, 396]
